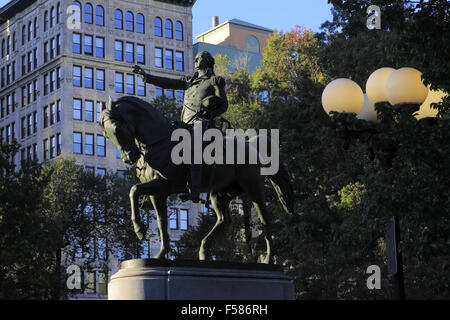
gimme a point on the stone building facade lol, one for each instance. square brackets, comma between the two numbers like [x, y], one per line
[60, 61]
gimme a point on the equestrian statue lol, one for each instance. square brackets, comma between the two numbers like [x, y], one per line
[143, 137]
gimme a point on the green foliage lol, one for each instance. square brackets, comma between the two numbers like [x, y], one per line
[343, 199]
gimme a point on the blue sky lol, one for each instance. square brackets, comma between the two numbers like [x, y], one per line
[282, 15]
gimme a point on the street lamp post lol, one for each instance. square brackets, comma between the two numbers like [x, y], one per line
[360, 116]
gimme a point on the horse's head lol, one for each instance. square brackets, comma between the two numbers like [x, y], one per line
[121, 133]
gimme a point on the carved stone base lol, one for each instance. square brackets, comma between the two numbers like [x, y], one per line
[150, 279]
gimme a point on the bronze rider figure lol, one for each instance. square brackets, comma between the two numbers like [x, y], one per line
[204, 99]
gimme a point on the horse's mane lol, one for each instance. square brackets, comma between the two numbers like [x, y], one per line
[140, 106]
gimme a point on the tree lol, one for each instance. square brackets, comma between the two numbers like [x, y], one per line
[26, 243]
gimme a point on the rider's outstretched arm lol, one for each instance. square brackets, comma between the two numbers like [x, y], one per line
[163, 82]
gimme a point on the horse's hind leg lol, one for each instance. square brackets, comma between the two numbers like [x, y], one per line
[255, 192]
[220, 204]
[160, 206]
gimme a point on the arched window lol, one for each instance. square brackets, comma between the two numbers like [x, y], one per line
[24, 34]
[52, 17]
[99, 16]
[179, 31]
[88, 13]
[3, 48]
[8, 44]
[14, 42]
[129, 21]
[30, 31]
[76, 12]
[252, 44]
[36, 27]
[169, 29]
[118, 19]
[140, 23]
[58, 13]
[158, 27]
[45, 21]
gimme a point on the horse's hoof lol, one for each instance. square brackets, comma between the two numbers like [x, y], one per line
[201, 255]
[141, 232]
[162, 254]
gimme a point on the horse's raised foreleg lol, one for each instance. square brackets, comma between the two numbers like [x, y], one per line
[160, 206]
[220, 204]
[153, 187]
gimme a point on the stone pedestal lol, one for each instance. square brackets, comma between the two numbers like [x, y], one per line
[150, 279]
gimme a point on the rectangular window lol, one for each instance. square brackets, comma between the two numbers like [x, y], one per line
[30, 61]
[100, 105]
[89, 77]
[58, 44]
[173, 218]
[35, 122]
[23, 128]
[184, 219]
[180, 61]
[46, 84]
[179, 95]
[159, 57]
[52, 80]
[35, 89]
[77, 109]
[89, 110]
[169, 59]
[101, 151]
[102, 281]
[52, 147]
[101, 171]
[53, 48]
[100, 47]
[100, 79]
[29, 124]
[101, 249]
[140, 87]
[46, 149]
[24, 96]
[89, 144]
[46, 116]
[118, 50]
[47, 50]
[58, 77]
[24, 64]
[140, 53]
[76, 43]
[90, 279]
[58, 110]
[58, 144]
[130, 84]
[52, 113]
[169, 93]
[159, 91]
[77, 76]
[119, 82]
[88, 45]
[29, 92]
[129, 52]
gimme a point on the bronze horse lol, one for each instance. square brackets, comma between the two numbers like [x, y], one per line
[143, 136]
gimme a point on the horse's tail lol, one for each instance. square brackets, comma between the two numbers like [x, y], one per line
[283, 187]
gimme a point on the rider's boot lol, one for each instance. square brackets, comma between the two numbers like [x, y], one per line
[195, 178]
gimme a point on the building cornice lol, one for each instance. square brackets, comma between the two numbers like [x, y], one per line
[184, 3]
[13, 7]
